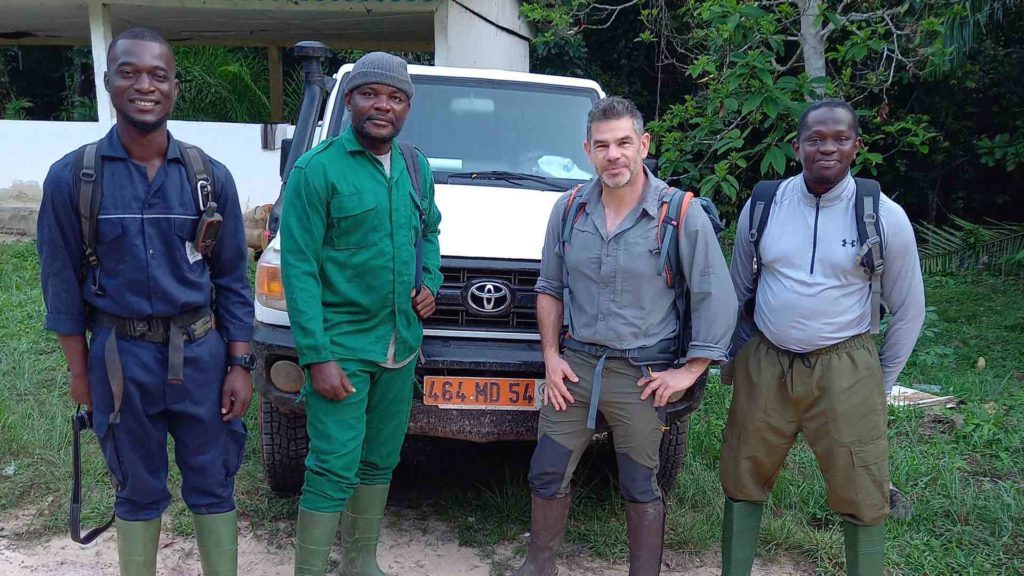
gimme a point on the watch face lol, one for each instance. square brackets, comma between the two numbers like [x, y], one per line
[247, 361]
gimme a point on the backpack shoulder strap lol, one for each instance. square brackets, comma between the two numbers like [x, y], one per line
[411, 155]
[670, 219]
[412, 163]
[88, 168]
[573, 211]
[761, 200]
[869, 194]
[200, 174]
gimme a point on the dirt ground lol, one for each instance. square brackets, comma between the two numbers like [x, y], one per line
[411, 545]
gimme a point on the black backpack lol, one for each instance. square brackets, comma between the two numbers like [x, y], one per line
[868, 236]
[88, 166]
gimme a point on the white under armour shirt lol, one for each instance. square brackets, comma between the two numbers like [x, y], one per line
[813, 292]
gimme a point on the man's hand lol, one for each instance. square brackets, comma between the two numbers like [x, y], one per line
[330, 381]
[80, 389]
[556, 370]
[423, 303]
[669, 385]
[236, 395]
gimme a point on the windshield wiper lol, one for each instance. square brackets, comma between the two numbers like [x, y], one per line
[516, 178]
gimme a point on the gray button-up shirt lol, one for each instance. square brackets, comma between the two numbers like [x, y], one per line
[617, 298]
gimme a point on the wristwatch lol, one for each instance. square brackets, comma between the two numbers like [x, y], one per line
[247, 361]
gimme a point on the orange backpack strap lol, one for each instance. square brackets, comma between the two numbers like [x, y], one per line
[669, 261]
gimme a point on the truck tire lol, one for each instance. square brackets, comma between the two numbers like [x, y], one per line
[283, 447]
[672, 453]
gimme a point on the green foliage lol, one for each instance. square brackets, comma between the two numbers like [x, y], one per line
[730, 78]
[1006, 150]
[963, 245]
[222, 84]
[17, 108]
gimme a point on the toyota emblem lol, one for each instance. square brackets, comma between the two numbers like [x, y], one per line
[488, 297]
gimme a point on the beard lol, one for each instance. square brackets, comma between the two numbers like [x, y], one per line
[361, 129]
[618, 180]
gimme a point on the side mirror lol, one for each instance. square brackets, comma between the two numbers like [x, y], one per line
[652, 165]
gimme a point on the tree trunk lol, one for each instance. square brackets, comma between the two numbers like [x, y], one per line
[812, 37]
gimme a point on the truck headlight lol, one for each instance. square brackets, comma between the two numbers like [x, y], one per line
[269, 289]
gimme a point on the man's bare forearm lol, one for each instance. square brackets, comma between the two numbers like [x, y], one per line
[549, 321]
[76, 353]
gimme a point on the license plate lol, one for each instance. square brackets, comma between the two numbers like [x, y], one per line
[493, 393]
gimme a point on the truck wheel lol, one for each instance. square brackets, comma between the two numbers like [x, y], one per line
[283, 447]
[672, 452]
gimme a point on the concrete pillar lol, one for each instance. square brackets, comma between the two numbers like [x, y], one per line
[481, 34]
[276, 84]
[101, 35]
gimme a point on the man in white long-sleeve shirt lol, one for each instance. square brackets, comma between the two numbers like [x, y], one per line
[806, 360]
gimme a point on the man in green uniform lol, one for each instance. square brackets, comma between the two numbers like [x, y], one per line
[349, 231]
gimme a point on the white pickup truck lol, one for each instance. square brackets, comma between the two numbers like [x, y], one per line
[502, 147]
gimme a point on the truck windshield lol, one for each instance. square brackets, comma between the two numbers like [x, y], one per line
[467, 126]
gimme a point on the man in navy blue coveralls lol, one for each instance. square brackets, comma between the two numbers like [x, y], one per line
[150, 276]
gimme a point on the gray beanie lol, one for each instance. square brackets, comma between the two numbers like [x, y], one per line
[380, 68]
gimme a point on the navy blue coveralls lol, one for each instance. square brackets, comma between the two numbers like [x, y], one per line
[147, 271]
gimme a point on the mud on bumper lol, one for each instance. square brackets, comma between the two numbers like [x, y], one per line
[440, 357]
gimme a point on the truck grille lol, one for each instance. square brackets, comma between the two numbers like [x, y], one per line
[453, 314]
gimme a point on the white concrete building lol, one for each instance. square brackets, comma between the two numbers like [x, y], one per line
[465, 33]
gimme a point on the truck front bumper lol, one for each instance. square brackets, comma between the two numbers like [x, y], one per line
[440, 356]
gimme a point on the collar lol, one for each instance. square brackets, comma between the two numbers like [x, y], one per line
[654, 190]
[112, 147]
[837, 194]
[352, 144]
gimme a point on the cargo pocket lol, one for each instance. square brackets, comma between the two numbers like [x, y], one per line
[353, 221]
[871, 476]
[112, 456]
[234, 448]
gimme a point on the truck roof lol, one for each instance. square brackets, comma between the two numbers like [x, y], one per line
[491, 74]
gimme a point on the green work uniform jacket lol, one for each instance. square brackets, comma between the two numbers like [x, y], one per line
[348, 252]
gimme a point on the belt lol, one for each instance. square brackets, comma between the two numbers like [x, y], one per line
[191, 325]
[663, 352]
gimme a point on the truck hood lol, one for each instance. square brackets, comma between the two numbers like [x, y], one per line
[490, 222]
[493, 222]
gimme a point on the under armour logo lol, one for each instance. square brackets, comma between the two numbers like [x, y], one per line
[851, 243]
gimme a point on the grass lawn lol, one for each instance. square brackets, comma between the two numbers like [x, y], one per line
[966, 483]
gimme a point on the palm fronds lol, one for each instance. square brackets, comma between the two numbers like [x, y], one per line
[963, 245]
[223, 84]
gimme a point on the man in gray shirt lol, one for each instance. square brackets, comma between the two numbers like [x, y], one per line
[806, 361]
[605, 286]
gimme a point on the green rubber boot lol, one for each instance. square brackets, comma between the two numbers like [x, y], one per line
[314, 536]
[360, 530]
[865, 549]
[740, 524]
[217, 536]
[137, 543]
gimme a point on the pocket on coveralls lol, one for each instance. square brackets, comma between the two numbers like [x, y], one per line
[112, 456]
[234, 447]
[353, 221]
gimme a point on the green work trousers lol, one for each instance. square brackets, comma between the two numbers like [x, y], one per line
[835, 396]
[356, 440]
